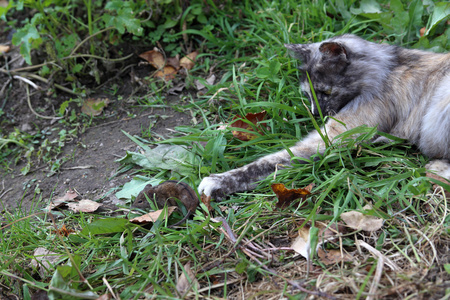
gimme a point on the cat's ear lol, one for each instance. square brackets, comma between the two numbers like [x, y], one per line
[334, 52]
[299, 51]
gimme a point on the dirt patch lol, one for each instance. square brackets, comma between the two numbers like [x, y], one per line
[91, 169]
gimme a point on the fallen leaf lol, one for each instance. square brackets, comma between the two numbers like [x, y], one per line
[302, 243]
[4, 48]
[210, 81]
[435, 186]
[330, 257]
[94, 107]
[359, 221]
[154, 57]
[188, 61]
[167, 73]
[174, 62]
[45, 259]
[70, 195]
[63, 231]
[84, 205]
[207, 201]
[152, 216]
[185, 283]
[422, 31]
[253, 118]
[106, 296]
[286, 196]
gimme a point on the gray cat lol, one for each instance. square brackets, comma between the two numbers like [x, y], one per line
[405, 93]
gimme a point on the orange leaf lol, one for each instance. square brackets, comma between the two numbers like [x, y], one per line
[167, 73]
[254, 118]
[286, 196]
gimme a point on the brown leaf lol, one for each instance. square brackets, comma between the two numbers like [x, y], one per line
[286, 196]
[70, 195]
[154, 57]
[63, 231]
[435, 186]
[185, 283]
[167, 73]
[84, 205]
[422, 31]
[207, 201]
[330, 257]
[153, 216]
[254, 118]
[174, 62]
[106, 296]
[188, 61]
[359, 221]
[94, 107]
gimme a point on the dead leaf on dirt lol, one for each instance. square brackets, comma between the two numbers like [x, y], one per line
[84, 205]
[435, 186]
[330, 257]
[70, 195]
[155, 58]
[210, 81]
[4, 48]
[207, 201]
[152, 216]
[359, 221]
[167, 73]
[187, 280]
[45, 259]
[302, 243]
[188, 61]
[94, 107]
[286, 196]
[174, 62]
[253, 118]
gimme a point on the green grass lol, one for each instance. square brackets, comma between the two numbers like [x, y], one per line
[256, 74]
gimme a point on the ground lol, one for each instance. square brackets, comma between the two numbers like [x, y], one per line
[92, 167]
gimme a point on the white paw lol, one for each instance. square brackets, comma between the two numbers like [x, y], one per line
[208, 185]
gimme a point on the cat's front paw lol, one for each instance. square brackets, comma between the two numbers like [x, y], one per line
[212, 186]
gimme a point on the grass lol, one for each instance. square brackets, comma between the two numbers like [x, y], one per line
[251, 259]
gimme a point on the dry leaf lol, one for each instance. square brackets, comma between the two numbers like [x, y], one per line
[210, 81]
[185, 283]
[302, 243]
[153, 216]
[63, 231]
[94, 107]
[70, 195]
[286, 196]
[330, 257]
[435, 186]
[45, 259]
[207, 201]
[188, 61]
[359, 221]
[174, 62]
[106, 296]
[4, 3]
[154, 57]
[84, 205]
[167, 73]
[4, 48]
[422, 31]
[254, 118]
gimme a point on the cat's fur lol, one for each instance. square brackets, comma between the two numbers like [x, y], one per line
[405, 93]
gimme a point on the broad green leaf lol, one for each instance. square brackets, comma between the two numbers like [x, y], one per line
[107, 225]
[440, 13]
[415, 13]
[136, 185]
[26, 36]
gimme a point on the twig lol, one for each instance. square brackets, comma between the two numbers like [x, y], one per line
[33, 111]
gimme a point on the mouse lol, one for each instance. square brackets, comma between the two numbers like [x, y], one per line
[166, 193]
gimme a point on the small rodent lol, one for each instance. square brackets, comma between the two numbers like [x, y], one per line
[165, 194]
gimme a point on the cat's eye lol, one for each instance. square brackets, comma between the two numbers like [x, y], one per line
[327, 92]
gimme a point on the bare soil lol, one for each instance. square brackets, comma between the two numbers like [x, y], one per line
[91, 169]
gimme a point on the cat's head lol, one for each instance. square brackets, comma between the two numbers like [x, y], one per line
[328, 65]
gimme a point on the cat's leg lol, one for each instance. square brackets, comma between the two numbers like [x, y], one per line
[220, 185]
[440, 166]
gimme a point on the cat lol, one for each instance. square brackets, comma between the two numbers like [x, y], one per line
[403, 92]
